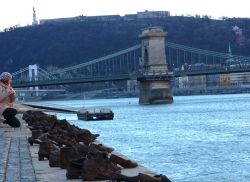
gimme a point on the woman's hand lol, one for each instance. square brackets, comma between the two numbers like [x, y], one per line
[12, 96]
[12, 92]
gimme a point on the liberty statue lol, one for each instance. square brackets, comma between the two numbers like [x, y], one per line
[35, 22]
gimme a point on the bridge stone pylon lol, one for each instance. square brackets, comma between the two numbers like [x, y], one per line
[33, 75]
[33, 72]
[155, 82]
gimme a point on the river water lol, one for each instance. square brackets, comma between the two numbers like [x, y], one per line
[196, 139]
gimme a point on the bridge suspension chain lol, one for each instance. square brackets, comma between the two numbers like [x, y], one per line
[97, 60]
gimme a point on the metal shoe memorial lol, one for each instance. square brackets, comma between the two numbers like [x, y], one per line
[78, 151]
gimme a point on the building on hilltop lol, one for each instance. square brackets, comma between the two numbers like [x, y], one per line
[104, 18]
[153, 14]
[127, 17]
[57, 20]
[82, 18]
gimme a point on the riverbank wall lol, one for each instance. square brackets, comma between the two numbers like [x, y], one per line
[176, 92]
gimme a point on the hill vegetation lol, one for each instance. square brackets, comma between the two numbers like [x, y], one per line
[62, 44]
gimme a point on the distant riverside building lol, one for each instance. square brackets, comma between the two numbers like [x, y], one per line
[127, 17]
[229, 55]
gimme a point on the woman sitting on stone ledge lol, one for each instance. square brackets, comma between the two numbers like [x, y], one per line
[7, 99]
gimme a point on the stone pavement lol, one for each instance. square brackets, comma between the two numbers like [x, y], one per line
[19, 161]
[15, 158]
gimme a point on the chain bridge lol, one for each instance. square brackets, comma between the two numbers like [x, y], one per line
[133, 64]
[127, 64]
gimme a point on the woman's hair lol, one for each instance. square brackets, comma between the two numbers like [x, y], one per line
[5, 76]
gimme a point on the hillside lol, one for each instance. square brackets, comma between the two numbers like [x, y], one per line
[62, 44]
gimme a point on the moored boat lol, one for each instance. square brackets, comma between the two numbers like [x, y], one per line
[95, 114]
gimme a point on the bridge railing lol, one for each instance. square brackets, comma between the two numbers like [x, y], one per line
[76, 80]
[213, 70]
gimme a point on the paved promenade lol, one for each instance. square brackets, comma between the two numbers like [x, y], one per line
[19, 161]
[15, 158]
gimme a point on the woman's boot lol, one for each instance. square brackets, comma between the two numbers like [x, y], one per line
[9, 115]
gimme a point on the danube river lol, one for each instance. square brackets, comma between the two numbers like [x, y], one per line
[195, 139]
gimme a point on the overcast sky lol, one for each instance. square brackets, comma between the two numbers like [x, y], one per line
[19, 12]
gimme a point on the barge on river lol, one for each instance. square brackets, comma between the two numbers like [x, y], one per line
[95, 114]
